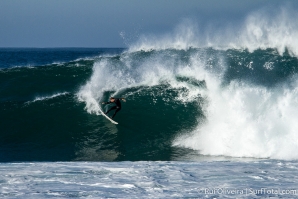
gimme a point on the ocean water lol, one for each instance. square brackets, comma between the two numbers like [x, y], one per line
[232, 103]
[205, 117]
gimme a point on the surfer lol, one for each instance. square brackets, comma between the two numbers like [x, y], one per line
[117, 107]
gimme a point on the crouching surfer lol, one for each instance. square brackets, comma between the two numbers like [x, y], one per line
[117, 105]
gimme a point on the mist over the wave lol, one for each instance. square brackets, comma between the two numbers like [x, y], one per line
[265, 28]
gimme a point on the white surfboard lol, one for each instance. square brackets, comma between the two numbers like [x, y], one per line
[107, 117]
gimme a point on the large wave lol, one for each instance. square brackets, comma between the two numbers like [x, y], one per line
[242, 78]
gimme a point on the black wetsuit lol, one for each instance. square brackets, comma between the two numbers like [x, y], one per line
[117, 107]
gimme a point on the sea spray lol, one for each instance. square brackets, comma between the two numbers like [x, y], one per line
[261, 29]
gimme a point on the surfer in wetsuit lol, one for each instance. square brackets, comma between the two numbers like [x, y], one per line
[117, 107]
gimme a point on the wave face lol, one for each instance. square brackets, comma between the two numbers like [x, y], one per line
[187, 97]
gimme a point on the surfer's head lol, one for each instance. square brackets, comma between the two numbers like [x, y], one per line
[112, 99]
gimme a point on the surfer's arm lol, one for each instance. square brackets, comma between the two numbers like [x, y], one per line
[106, 102]
[123, 99]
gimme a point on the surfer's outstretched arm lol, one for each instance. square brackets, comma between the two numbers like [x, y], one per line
[123, 99]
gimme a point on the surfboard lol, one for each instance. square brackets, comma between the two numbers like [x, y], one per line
[107, 117]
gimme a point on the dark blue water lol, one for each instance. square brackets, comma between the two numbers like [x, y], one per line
[10, 57]
[49, 99]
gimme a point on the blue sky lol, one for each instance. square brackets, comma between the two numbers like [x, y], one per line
[100, 23]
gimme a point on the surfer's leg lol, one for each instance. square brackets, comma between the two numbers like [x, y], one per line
[112, 108]
[118, 109]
